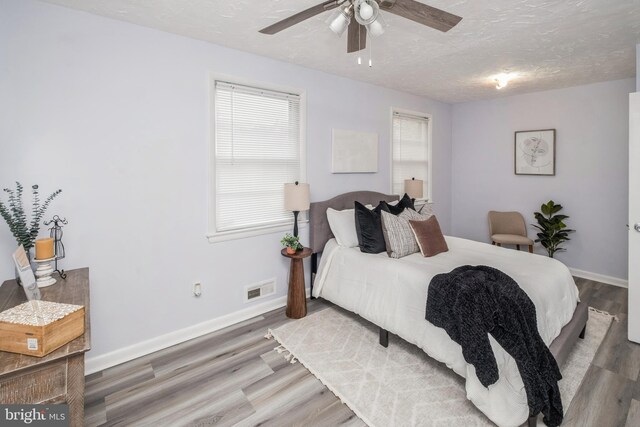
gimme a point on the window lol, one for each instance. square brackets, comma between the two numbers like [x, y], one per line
[410, 151]
[257, 148]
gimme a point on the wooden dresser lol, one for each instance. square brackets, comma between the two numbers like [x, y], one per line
[59, 376]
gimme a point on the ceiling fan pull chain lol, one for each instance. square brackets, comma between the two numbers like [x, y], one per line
[370, 50]
[359, 44]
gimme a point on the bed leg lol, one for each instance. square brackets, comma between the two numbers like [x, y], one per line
[314, 269]
[384, 337]
[532, 421]
[581, 336]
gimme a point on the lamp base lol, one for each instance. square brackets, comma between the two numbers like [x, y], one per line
[295, 223]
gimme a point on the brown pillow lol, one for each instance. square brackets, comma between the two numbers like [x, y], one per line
[429, 236]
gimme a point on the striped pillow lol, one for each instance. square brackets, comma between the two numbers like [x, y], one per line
[398, 235]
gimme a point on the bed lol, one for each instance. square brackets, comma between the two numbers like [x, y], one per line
[391, 293]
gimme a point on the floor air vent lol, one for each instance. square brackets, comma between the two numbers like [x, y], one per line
[260, 290]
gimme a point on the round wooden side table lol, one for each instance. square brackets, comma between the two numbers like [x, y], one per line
[296, 298]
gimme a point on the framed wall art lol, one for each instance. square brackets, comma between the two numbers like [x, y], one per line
[535, 152]
[354, 152]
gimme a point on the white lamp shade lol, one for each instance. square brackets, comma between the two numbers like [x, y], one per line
[296, 197]
[413, 188]
[377, 27]
[366, 11]
[339, 21]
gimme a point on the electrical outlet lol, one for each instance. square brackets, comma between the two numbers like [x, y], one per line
[197, 289]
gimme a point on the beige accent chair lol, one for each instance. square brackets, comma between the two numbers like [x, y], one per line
[508, 228]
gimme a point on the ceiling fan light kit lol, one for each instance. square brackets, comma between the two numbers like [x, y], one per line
[340, 19]
[367, 11]
[363, 17]
[377, 27]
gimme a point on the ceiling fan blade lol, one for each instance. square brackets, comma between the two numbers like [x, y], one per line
[421, 13]
[356, 37]
[299, 17]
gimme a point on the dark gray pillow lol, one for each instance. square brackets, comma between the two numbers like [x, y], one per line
[403, 203]
[369, 228]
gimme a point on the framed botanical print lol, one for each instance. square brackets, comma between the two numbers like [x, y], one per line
[535, 152]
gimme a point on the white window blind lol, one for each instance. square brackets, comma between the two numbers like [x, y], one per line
[257, 150]
[410, 151]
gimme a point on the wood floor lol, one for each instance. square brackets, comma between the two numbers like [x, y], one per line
[233, 377]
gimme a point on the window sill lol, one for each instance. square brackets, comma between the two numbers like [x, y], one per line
[252, 232]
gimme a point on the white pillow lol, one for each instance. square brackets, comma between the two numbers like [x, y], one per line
[343, 226]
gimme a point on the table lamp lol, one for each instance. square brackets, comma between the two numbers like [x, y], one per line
[296, 199]
[414, 188]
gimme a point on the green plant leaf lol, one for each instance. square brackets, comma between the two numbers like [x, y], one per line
[24, 232]
[553, 230]
[555, 208]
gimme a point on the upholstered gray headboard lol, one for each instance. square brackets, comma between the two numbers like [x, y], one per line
[320, 232]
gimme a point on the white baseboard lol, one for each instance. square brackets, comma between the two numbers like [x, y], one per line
[116, 357]
[615, 281]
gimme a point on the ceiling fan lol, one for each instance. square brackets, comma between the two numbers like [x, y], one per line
[367, 18]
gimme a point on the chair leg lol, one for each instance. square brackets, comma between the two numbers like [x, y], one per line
[532, 421]
[530, 249]
[493, 243]
[518, 247]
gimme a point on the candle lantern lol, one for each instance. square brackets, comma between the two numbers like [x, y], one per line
[56, 235]
[44, 256]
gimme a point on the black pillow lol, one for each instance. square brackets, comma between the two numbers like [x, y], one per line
[369, 228]
[403, 203]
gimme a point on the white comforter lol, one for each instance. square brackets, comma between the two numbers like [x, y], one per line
[392, 294]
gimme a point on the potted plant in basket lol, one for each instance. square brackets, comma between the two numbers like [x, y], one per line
[292, 243]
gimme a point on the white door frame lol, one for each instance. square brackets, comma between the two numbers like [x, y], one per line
[634, 217]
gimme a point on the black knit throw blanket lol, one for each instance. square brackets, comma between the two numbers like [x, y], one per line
[471, 302]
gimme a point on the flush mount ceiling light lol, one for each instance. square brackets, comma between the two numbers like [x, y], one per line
[502, 80]
[368, 18]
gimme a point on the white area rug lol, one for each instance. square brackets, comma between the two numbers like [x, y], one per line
[401, 385]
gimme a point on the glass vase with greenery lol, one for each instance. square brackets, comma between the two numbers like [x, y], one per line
[553, 230]
[13, 212]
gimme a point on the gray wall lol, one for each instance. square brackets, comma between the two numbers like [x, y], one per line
[117, 116]
[638, 68]
[591, 179]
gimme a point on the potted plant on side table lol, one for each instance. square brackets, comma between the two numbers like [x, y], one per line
[292, 243]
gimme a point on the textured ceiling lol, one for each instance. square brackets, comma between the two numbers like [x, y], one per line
[548, 43]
